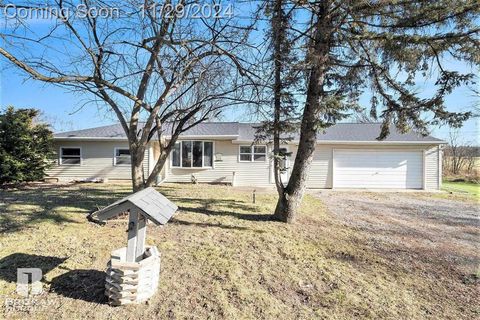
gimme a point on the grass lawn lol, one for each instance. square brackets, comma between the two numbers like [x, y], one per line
[466, 188]
[221, 258]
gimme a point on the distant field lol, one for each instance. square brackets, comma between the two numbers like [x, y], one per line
[468, 176]
[462, 187]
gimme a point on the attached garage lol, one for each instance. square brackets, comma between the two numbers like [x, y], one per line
[378, 168]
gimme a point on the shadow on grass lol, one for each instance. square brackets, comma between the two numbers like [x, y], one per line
[242, 216]
[24, 207]
[48, 204]
[204, 224]
[10, 263]
[87, 285]
[216, 207]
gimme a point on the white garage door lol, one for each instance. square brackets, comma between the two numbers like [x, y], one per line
[378, 169]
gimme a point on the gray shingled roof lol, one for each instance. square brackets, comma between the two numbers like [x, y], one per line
[152, 204]
[348, 132]
[369, 132]
[111, 131]
[354, 132]
[116, 131]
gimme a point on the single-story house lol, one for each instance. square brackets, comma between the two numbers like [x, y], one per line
[347, 155]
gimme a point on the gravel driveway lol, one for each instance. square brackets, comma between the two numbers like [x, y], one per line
[414, 230]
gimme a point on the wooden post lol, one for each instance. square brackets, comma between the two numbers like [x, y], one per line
[132, 234]
[137, 228]
[141, 233]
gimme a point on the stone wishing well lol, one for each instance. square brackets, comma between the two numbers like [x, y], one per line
[133, 271]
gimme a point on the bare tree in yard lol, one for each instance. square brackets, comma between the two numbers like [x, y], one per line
[379, 47]
[454, 153]
[159, 72]
[459, 156]
[473, 154]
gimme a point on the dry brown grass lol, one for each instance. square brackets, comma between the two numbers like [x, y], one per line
[221, 258]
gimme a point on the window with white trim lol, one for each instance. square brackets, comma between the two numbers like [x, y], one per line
[70, 156]
[253, 153]
[122, 157]
[192, 154]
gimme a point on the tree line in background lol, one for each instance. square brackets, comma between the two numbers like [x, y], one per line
[461, 159]
[301, 65]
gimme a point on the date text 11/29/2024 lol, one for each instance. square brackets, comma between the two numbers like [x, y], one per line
[191, 10]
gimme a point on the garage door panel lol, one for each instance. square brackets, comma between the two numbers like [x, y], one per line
[378, 169]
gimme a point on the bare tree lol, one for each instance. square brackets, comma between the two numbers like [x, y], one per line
[159, 71]
[455, 152]
[472, 156]
[361, 116]
[459, 156]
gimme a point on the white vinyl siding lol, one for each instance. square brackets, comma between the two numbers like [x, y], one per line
[97, 162]
[246, 173]
[431, 168]
[321, 168]
[146, 161]
[373, 168]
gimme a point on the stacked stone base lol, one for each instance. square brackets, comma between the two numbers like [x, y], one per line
[132, 282]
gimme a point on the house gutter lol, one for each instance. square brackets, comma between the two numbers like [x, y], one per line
[235, 141]
[190, 137]
[90, 139]
[343, 142]
[200, 137]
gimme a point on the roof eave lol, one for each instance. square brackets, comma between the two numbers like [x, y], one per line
[296, 142]
[235, 141]
[409, 142]
[213, 137]
[90, 138]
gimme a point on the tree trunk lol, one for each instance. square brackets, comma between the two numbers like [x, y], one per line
[287, 206]
[278, 36]
[157, 168]
[137, 178]
[318, 57]
[291, 198]
[137, 155]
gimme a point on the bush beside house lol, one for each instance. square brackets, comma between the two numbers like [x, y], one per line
[25, 146]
